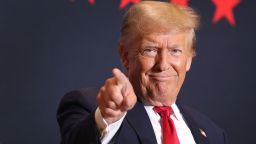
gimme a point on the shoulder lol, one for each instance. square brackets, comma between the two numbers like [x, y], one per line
[201, 122]
[196, 116]
[83, 97]
[75, 116]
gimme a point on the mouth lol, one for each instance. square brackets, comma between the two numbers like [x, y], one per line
[162, 77]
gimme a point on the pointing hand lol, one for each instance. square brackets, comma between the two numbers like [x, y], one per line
[116, 97]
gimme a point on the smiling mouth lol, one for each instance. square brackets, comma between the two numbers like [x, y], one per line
[162, 78]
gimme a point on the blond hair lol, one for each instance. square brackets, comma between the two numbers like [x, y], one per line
[155, 16]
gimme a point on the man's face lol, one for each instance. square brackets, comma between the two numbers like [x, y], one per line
[157, 64]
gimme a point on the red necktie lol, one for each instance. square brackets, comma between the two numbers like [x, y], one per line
[168, 128]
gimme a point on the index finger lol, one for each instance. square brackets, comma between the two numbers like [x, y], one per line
[121, 80]
[119, 76]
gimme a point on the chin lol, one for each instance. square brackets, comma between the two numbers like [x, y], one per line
[160, 102]
[165, 97]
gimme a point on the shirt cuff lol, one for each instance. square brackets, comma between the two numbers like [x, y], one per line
[100, 122]
[107, 131]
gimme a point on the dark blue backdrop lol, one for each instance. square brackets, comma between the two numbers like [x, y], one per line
[49, 47]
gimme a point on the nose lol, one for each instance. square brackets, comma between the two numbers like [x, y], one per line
[162, 61]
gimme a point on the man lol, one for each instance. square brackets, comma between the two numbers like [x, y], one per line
[156, 47]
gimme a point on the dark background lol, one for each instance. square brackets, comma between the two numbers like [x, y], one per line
[49, 47]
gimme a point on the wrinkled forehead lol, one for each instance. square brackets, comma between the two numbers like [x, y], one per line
[155, 35]
[163, 36]
[165, 40]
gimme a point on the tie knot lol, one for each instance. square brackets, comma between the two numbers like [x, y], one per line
[163, 111]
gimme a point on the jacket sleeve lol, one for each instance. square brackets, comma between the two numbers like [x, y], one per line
[76, 120]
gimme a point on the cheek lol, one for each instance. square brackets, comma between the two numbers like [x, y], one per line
[139, 69]
[141, 64]
[180, 65]
[147, 64]
[135, 68]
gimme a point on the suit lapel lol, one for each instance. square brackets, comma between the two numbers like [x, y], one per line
[198, 133]
[140, 122]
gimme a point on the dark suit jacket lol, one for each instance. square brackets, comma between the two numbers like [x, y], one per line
[77, 124]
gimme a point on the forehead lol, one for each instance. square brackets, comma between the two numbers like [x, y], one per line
[169, 38]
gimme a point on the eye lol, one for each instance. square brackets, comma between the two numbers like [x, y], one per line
[175, 51]
[149, 51]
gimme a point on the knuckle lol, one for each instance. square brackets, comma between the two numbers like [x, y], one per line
[101, 93]
[117, 99]
[109, 81]
[109, 112]
[111, 105]
[130, 101]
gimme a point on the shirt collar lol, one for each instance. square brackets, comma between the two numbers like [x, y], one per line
[176, 111]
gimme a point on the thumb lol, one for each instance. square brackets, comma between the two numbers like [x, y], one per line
[129, 100]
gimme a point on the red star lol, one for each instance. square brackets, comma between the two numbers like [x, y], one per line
[180, 2]
[224, 9]
[124, 3]
[92, 2]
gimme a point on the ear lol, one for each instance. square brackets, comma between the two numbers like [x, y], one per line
[189, 62]
[123, 55]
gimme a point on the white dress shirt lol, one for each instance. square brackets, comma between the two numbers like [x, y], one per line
[184, 134]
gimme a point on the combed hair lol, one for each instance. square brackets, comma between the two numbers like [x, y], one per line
[155, 16]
